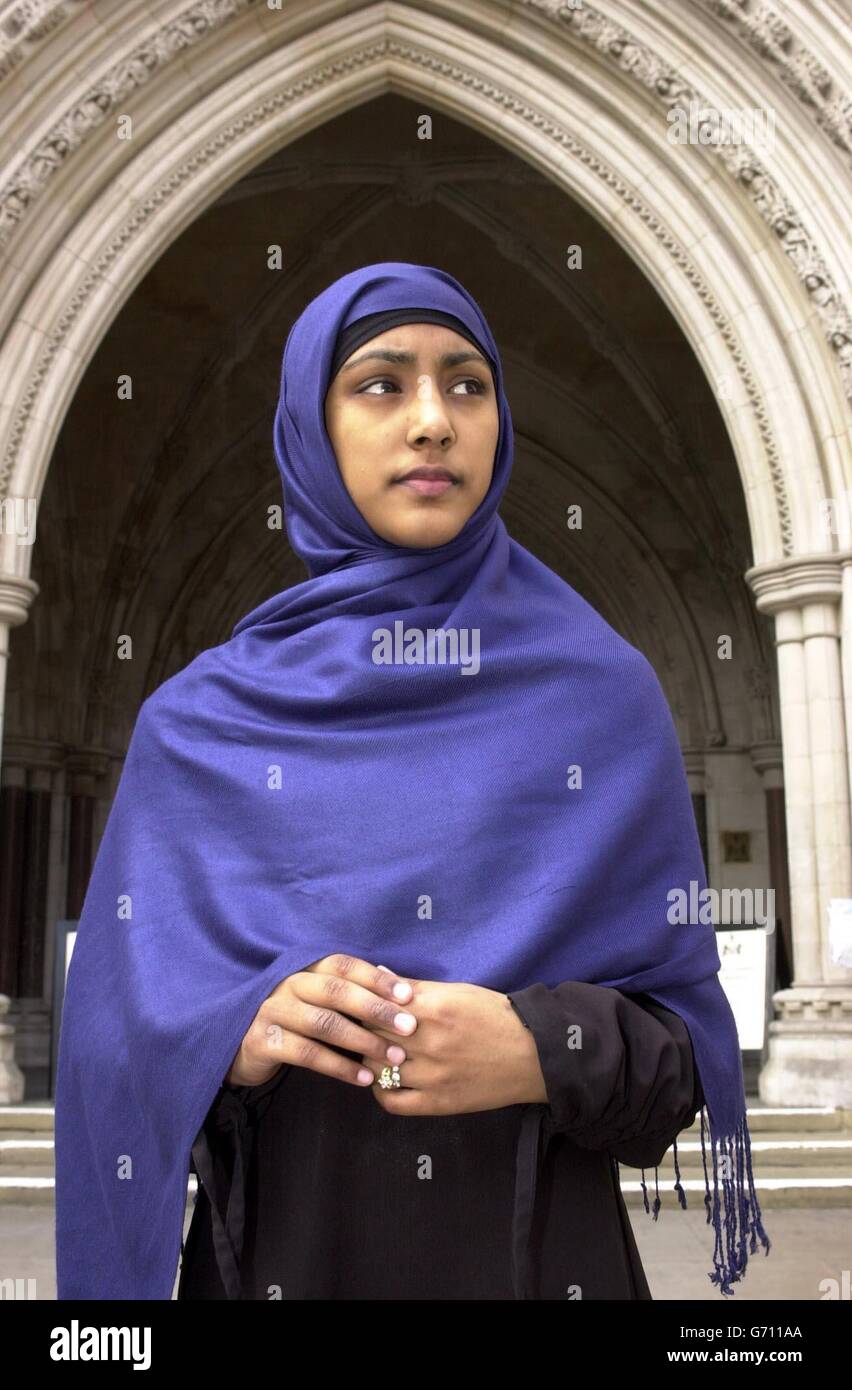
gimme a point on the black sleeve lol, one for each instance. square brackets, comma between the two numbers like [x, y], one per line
[219, 1158]
[632, 1084]
[219, 1127]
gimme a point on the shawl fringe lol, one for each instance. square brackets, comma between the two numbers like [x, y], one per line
[741, 1219]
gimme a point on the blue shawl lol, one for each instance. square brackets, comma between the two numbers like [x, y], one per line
[286, 796]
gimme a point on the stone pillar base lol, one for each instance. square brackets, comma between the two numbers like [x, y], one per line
[810, 1048]
[11, 1076]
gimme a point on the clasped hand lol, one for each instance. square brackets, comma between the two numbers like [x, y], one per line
[460, 1047]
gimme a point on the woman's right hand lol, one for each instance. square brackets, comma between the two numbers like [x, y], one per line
[307, 1010]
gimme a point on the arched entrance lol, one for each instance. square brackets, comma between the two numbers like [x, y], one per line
[743, 251]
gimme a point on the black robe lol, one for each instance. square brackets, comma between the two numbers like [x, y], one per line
[321, 1194]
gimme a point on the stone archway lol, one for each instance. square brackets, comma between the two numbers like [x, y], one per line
[213, 87]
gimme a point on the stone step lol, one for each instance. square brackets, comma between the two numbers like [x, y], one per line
[790, 1119]
[786, 1188]
[802, 1158]
[784, 1150]
[34, 1116]
[31, 1155]
[35, 1190]
[26, 1155]
[31, 1115]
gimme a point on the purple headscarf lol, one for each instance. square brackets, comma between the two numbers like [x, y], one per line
[287, 795]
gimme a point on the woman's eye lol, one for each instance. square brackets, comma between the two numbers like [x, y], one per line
[385, 381]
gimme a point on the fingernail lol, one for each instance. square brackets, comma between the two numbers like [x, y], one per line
[396, 1054]
[384, 967]
[365, 1076]
[401, 991]
[405, 1022]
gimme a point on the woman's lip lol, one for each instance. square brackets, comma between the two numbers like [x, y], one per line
[428, 487]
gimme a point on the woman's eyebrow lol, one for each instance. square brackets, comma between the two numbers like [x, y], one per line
[400, 358]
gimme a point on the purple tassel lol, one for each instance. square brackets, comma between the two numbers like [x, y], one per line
[644, 1190]
[742, 1216]
[681, 1195]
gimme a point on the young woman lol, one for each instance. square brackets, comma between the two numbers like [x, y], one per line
[417, 837]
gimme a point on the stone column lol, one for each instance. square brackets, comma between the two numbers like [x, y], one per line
[16, 595]
[13, 829]
[768, 761]
[84, 772]
[693, 762]
[27, 829]
[11, 1077]
[810, 1043]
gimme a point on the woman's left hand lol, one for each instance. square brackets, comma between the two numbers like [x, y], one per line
[470, 1051]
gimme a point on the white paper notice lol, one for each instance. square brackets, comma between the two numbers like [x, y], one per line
[743, 978]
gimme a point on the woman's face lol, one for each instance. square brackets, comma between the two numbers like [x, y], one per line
[416, 397]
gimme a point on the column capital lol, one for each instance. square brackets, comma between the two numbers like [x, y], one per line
[30, 753]
[768, 757]
[694, 761]
[798, 580]
[16, 597]
[85, 768]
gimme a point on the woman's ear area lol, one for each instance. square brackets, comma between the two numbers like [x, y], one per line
[329, 415]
